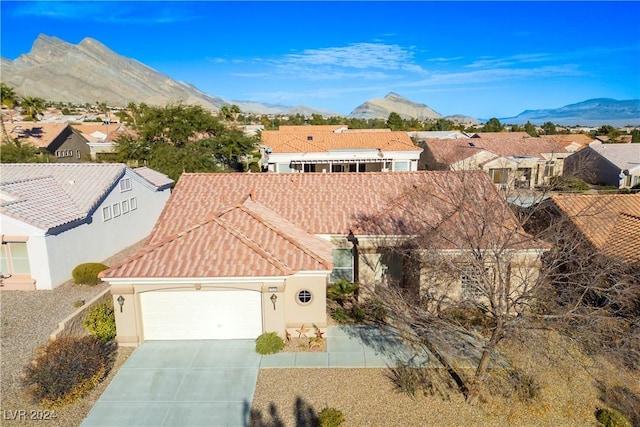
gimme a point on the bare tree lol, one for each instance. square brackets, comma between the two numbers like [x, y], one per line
[464, 250]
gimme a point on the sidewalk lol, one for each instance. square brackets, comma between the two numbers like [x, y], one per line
[354, 347]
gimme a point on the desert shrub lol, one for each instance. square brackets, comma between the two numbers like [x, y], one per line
[568, 183]
[622, 399]
[330, 417]
[269, 343]
[406, 379]
[100, 321]
[409, 380]
[471, 317]
[78, 303]
[342, 291]
[611, 418]
[374, 310]
[340, 315]
[64, 370]
[87, 273]
[525, 386]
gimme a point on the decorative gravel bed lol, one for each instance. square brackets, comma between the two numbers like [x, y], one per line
[27, 320]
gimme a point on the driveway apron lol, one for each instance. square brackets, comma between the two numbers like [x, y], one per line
[181, 383]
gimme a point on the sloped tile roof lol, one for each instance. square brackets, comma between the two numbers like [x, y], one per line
[609, 221]
[246, 240]
[155, 178]
[314, 142]
[568, 139]
[447, 151]
[310, 128]
[38, 134]
[624, 156]
[47, 195]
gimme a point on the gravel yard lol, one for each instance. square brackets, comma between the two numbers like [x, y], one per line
[27, 320]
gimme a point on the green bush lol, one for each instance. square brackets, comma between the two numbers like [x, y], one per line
[100, 321]
[342, 291]
[340, 315]
[612, 418]
[374, 310]
[87, 273]
[64, 370]
[568, 183]
[330, 417]
[269, 343]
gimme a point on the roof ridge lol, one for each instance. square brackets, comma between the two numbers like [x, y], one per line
[271, 259]
[281, 233]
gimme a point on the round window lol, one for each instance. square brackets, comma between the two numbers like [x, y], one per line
[304, 296]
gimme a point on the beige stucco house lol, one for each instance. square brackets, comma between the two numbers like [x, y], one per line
[235, 255]
[335, 148]
[516, 162]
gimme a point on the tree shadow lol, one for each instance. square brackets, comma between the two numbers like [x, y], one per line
[305, 415]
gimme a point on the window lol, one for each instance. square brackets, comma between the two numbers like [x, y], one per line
[499, 176]
[78, 153]
[342, 265]
[106, 213]
[125, 206]
[14, 258]
[116, 209]
[472, 282]
[548, 168]
[283, 167]
[125, 185]
[133, 203]
[402, 166]
[304, 296]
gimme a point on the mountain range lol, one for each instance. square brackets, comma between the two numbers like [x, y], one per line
[90, 72]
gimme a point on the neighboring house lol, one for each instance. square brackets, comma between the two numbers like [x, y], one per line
[338, 149]
[610, 222]
[101, 136]
[440, 134]
[55, 216]
[617, 165]
[572, 142]
[236, 255]
[58, 139]
[520, 162]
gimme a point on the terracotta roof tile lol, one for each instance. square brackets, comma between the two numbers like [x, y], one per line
[38, 134]
[306, 142]
[609, 221]
[310, 128]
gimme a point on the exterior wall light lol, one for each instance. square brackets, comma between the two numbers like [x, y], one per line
[121, 302]
[273, 299]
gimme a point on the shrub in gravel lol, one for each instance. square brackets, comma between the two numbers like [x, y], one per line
[100, 321]
[269, 343]
[87, 273]
[330, 417]
[611, 418]
[65, 369]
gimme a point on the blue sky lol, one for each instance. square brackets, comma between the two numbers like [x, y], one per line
[483, 59]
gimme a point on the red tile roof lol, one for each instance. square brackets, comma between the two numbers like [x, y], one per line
[310, 142]
[611, 222]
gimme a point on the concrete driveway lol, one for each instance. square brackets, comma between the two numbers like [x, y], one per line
[181, 383]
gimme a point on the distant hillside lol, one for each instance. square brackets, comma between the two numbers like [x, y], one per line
[89, 71]
[592, 112]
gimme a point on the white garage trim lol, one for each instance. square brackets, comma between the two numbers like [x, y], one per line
[190, 315]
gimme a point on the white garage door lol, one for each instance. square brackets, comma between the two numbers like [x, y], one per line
[201, 315]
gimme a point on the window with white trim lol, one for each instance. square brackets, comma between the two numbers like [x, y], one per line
[499, 176]
[106, 213]
[14, 258]
[133, 203]
[342, 265]
[283, 168]
[115, 208]
[125, 206]
[125, 185]
[400, 166]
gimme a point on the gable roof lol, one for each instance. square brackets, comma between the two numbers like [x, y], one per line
[623, 156]
[611, 222]
[50, 195]
[450, 151]
[155, 178]
[579, 139]
[310, 128]
[245, 240]
[310, 142]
